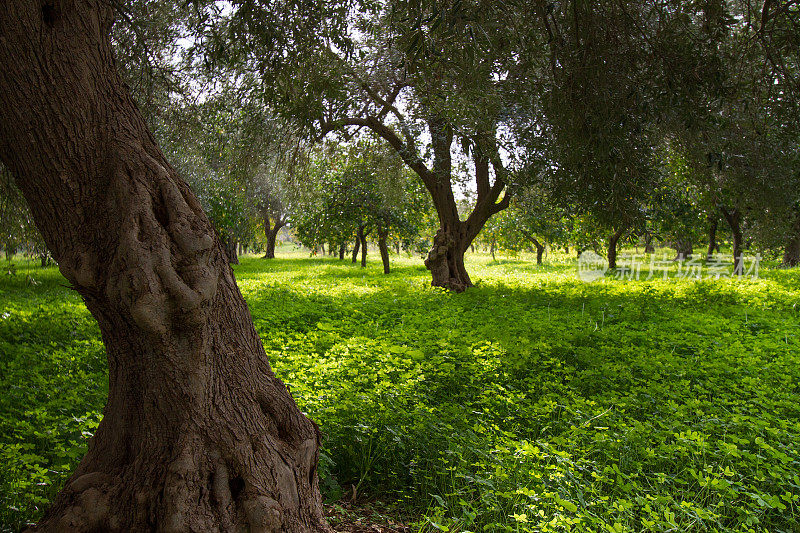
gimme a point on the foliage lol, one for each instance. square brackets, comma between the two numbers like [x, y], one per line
[532, 220]
[365, 185]
[53, 375]
[428, 78]
[533, 402]
[17, 230]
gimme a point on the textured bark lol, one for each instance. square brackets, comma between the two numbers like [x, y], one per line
[198, 434]
[342, 249]
[231, 247]
[357, 246]
[734, 219]
[446, 262]
[363, 236]
[612, 247]
[684, 249]
[791, 254]
[271, 233]
[712, 238]
[539, 246]
[383, 234]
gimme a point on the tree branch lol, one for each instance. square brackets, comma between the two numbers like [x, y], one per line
[406, 151]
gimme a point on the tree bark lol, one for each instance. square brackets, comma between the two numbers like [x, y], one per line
[383, 234]
[712, 238]
[684, 249]
[272, 235]
[198, 434]
[612, 247]
[357, 246]
[539, 246]
[791, 254]
[734, 219]
[342, 249]
[230, 250]
[364, 235]
[446, 261]
[648, 243]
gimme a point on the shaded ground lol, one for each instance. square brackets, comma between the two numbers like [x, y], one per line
[346, 517]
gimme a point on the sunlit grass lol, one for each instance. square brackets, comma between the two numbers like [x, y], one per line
[532, 402]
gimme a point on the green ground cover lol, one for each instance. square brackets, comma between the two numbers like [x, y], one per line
[532, 402]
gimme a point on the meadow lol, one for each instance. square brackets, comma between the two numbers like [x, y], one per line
[531, 402]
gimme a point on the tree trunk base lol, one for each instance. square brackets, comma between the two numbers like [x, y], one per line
[446, 263]
[791, 256]
[253, 470]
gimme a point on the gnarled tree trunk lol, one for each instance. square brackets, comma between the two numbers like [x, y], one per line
[363, 235]
[272, 235]
[231, 247]
[198, 434]
[791, 254]
[446, 258]
[712, 238]
[357, 246]
[734, 219]
[612, 247]
[684, 249]
[383, 234]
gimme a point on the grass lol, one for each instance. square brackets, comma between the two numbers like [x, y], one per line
[532, 402]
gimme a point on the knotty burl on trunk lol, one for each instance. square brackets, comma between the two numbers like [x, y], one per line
[198, 434]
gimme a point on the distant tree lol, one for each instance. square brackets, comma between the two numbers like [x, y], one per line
[364, 189]
[733, 115]
[591, 120]
[532, 220]
[238, 159]
[678, 212]
[17, 230]
[427, 78]
[275, 211]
